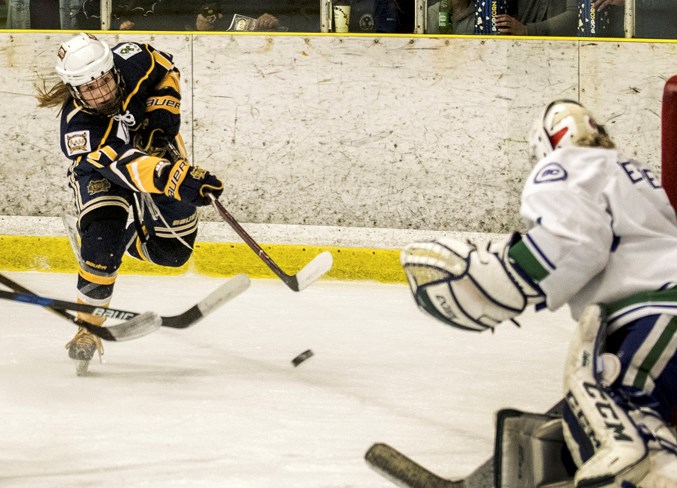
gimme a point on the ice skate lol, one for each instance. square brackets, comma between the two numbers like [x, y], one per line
[81, 349]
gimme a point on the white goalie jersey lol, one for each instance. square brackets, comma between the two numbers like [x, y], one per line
[601, 230]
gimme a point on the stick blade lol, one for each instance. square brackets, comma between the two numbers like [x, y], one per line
[312, 271]
[224, 293]
[139, 326]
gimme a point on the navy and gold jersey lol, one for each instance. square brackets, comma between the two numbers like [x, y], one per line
[104, 144]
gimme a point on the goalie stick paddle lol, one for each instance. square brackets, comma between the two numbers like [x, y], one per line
[310, 273]
[405, 472]
[133, 325]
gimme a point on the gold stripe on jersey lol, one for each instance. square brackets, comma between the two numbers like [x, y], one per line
[94, 158]
[171, 80]
[141, 80]
[162, 60]
[107, 133]
[141, 172]
[110, 152]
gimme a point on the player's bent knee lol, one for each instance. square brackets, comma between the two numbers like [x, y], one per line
[102, 245]
[171, 252]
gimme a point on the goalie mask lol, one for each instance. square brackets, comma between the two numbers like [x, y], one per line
[85, 65]
[565, 123]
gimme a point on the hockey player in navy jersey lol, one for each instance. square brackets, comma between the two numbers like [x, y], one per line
[119, 109]
[601, 238]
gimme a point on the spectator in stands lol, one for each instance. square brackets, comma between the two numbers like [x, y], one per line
[42, 14]
[394, 16]
[272, 15]
[199, 15]
[540, 18]
[654, 19]
[462, 12]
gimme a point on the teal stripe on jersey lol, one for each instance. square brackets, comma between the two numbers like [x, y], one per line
[654, 354]
[521, 254]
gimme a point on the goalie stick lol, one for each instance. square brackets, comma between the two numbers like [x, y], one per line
[405, 472]
[310, 273]
[134, 325]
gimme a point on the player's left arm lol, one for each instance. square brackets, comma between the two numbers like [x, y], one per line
[162, 118]
[160, 92]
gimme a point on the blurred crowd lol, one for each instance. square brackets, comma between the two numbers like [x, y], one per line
[653, 19]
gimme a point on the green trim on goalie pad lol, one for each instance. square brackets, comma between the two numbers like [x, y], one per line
[53, 254]
[521, 254]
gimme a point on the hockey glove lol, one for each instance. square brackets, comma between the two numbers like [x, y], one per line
[467, 286]
[186, 183]
[153, 143]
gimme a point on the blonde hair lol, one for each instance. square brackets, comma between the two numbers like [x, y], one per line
[55, 96]
[600, 139]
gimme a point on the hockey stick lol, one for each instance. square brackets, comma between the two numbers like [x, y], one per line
[134, 328]
[305, 277]
[310, 273]
[404, 471]
[134, 325]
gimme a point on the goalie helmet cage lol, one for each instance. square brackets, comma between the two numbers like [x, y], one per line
[669, 140]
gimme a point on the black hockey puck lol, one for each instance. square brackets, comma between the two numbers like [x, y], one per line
[302, 357]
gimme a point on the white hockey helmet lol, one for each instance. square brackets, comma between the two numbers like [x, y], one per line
[563, 123]
[82, 59]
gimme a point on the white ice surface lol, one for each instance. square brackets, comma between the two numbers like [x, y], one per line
[220, 404]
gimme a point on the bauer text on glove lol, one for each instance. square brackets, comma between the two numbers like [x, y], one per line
[190, 184]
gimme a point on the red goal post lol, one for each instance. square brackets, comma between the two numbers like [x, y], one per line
[669, 140]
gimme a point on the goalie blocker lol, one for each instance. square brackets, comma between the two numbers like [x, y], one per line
[466, 286]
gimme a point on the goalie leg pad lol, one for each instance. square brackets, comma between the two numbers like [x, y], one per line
[662, 445]
[602, 438]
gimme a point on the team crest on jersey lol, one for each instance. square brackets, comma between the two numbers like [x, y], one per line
[78, 142]
[127, 50]
[98, 186]
[551, 172]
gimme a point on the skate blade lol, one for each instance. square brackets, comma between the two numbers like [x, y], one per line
[82, 367]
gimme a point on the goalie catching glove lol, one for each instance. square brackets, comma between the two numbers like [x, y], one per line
[466, 286]
[186, 183]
